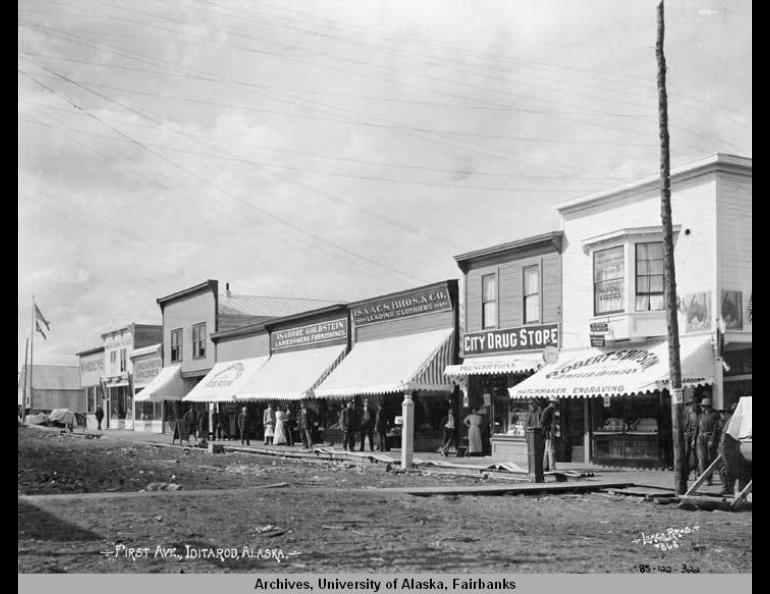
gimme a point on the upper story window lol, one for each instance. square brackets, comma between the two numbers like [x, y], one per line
[199, 340]
[489, 301]
[649, 276]
[176, 345]
[531, 294]
[123, 360]
[113, 358]
[609, 273]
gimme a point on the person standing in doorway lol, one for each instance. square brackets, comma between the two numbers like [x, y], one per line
[348, 423]
[366, 427]
[708, 437]
[690, 437]
[306, 426]
[381, 426]
[243, 426]
[216, 429]
[449, 425]
[548, 425]
[268, 421]
[473, 422]
[99, 417]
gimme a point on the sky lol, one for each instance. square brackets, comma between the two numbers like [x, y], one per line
[331, 149]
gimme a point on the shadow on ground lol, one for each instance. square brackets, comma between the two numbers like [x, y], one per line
[36, 523]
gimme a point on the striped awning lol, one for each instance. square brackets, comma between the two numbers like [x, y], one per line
[392, 365]
[634, 369]
[523, 363]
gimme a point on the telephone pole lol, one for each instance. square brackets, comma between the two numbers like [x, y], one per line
[672, 323]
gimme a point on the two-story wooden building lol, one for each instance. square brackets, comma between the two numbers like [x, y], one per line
[91, 364]
[513, 295]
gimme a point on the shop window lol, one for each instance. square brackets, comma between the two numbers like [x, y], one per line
[531, 294]
[199, 340]
[489, 301]
[649, 276]
[608, 280]
[176, 345]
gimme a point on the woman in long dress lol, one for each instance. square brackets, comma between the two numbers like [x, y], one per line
[280, 428]
[473, 423]
[268, 420]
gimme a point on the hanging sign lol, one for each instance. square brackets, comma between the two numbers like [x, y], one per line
[487, 399]
[597, 340]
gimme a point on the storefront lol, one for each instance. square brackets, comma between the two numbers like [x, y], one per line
[623, 395]
[304, 350]
[402, 344]
[148, 415]
[493, 362]
[91, 364]
[164, 392]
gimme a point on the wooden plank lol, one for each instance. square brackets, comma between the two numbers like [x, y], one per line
[741, 496]
[527, 488]
[643, 492]
[702, 478]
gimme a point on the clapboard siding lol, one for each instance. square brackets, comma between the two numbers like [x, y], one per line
[411, 325]
[244, 347]
[232, 321]
[146, 335]
[184, 313]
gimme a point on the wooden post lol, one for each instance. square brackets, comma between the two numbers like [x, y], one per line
[672, 323]
[407, 431]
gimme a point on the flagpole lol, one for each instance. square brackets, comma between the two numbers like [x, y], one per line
[31, 351]
[24, 391]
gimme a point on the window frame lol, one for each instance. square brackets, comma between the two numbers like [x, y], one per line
[123, 359]
[623, 279]
[649, 293]
[494, 300]
[201, 340]
[180, 343]
[537, 294]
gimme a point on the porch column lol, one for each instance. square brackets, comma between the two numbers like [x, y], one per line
[407, 430]
[586, 431]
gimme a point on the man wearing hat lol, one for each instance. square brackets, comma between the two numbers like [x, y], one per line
[548, 424]
[690, 436]
[728, 482]
[708, 437]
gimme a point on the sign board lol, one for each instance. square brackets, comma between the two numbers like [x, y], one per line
[550, 355]
[522, 338]
[146, 369]
[606, 401]
[599, 327]
[311, 335]
[487, 399]
[422, 301]
[597, 340]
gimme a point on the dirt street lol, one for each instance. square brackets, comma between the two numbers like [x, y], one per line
[331, 518]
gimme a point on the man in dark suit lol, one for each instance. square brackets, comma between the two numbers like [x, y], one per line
[215, 428]
[243, 426]
[348, 422]
[381, 426]
[366, 428]
[306, 426]
[548, 424]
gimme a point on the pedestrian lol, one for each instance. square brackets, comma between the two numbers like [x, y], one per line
[203, 426]
[473, 422]
[99, 417]
[727, 478]
[243, 426]
[533, 416]
[305, 426]
[291, 422]
[366, 427]
[690, 437]
[548, 425]
[268, 421]
[280, 428]
[381, 425]
[188, 420]
[348, 423]
[216, 428]
[449, 425]
[708, 437]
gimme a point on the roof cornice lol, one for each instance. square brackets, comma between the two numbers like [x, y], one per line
[511, 248]
[209, 285]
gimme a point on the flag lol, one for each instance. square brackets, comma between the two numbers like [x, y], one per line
[39, 329]
[39, 316]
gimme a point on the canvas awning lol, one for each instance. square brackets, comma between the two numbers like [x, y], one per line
[167, 385]
[740, 423]
[291, 375]
[391, 365]
[225, 380]
[524, 363]
[634, 369]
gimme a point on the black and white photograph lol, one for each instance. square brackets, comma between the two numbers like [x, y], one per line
[384, 295]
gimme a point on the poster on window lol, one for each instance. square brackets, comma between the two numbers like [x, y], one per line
[696, 310]
[608, 280]
[732, 309]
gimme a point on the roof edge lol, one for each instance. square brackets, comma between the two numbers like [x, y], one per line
[90, 351]
[554, 237]
[209, 284]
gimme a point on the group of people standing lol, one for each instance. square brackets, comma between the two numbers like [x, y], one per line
[704, 428]
[281, 423]
[365, 424]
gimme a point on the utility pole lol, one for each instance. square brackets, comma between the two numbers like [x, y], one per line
[672, 323]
